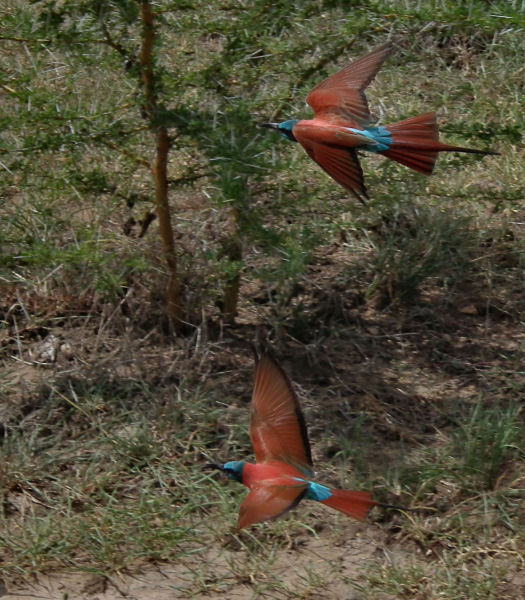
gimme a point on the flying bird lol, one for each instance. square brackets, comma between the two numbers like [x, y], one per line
[341, 128]
[282, 474]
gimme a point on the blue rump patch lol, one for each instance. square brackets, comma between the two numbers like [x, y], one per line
[380, 135]
[316, 491]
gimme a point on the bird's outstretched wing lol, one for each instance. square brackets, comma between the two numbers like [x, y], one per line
[341, 96]
[277, 426]
[340, 163]
[267, 502]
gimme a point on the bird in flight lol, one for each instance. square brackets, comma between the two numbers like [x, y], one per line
[341, 127]
[282, 473]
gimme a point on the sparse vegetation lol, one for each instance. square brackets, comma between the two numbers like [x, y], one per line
[400, 324]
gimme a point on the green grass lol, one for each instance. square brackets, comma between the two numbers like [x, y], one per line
[481, 580]
[99, 488]
[400, 324]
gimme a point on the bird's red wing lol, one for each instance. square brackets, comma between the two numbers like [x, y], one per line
[267, 502]
[341, 96]
[277, 426]
[340, 163]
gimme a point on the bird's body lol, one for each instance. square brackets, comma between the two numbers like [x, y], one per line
[282, 474]
[341, 128]
[317, 131]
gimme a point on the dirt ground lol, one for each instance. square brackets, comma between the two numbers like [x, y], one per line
[407, 370]
[168, 581]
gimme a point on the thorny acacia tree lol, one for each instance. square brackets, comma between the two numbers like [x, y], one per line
[197, 101]
[75, 26]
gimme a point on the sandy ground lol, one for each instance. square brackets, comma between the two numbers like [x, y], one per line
[294, 571]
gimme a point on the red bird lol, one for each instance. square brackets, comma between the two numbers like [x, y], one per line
[281, 476]
[341, 127]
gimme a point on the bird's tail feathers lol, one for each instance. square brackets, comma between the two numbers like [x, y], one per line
[354, 504]
[415, 143]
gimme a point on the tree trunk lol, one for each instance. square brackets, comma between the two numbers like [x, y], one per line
[160, 167]
[160, 174]
[233, 251]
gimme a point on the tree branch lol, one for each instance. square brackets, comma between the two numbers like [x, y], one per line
[117, 46]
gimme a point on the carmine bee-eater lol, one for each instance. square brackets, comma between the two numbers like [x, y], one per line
[341, 128]
[282, 474]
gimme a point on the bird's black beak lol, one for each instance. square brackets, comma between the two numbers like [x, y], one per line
[269, 125]
[213, 466]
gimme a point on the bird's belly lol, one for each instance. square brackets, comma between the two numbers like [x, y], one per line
[312, 132]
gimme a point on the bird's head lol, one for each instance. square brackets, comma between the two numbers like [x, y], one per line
[284, 128]
[233, 469]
